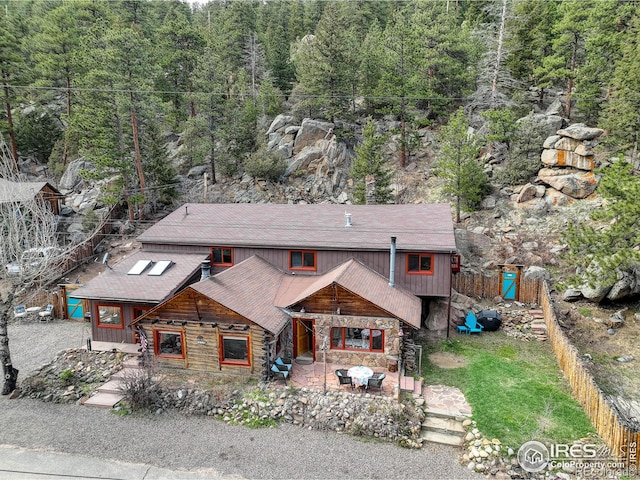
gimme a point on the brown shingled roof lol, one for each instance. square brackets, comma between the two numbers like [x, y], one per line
[360, 280]
[249, 289]
[21, 191]
[116, 285]
[427, 227]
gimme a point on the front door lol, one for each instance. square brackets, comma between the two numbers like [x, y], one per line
[303, 338]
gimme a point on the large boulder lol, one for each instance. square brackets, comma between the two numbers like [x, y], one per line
[575, 183]
[71, 179]
[566, 158]
[303, 159]
[627, 285]
[536, 273]
[580, 131]
[545, 124]
[595, 293]
[281, 121]
[310, 132]
[439, 312]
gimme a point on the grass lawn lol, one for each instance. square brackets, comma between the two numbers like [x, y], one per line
[515, 388]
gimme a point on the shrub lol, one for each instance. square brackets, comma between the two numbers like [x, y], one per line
[90, 221]
[140, 388]
[66, 374]
[265, 165]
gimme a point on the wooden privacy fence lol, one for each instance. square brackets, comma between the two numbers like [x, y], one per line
[83, 252]
[617, 432]
[479, 285]
[86, 249]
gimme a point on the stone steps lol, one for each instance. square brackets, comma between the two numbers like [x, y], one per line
[407, 384]
[110, 393]
[441, 426]
[114, 385]
[444, 424]
[442, 438]
[103, 400]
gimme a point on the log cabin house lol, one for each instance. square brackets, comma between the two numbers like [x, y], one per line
[284, 280]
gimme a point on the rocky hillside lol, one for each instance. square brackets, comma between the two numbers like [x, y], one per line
[517, 223]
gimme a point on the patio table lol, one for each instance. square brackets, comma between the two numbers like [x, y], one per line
[366, 333]
[360, 375]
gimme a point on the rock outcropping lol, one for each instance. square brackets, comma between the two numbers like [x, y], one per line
[569, 160]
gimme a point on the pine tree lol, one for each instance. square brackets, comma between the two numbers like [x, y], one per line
[608, 26]
[599, 251]
[561, 67]
[325, 70]
[11, 67]
[443, 58]
[621, 116]
[458, 165]
[180, 46]
[369, 162]
[531, 40]
[398, 72]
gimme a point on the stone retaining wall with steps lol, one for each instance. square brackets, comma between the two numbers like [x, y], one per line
[110, 393]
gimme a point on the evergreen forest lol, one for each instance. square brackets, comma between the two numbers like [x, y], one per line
[112, 81]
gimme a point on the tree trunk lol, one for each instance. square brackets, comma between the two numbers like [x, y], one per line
[136, 146]
[12, 133]
[572, 68]
[212, 140]
[10, 373]
[65, 149]
[496, 69]
[403, 141]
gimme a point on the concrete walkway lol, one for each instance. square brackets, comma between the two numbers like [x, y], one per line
[23, 464]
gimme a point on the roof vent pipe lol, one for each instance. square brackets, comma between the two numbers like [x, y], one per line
[205, 270]
[347, 217]
[392, 263]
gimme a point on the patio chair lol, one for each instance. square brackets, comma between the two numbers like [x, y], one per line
[282, 363]
[344, 378]
[279, 373]
[46, 314]
[376, 381]
[471, 324]
[20, 311]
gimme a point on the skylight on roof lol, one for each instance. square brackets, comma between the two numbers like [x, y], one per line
[160, 267]
[139, 267]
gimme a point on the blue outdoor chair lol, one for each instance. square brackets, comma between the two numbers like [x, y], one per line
[471, 324]
[282, 363]
[279, 372]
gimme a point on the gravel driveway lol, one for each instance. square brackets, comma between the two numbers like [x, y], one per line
[198, 443]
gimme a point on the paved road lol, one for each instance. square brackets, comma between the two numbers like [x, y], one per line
[169, 445]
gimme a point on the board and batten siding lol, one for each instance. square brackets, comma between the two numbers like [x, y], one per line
[109, 334]
[436, 285]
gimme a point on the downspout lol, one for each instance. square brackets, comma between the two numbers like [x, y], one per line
[392, 263]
